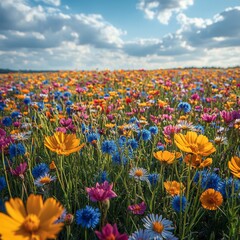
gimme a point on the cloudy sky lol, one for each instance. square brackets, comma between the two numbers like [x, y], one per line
[118, 34]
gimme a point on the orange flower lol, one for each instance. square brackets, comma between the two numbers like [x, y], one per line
[211, 199]
[196, 161]
[192, 143]
[174, 187]
[36, 221]
[234, 166]
[165, 156]
[63, 144]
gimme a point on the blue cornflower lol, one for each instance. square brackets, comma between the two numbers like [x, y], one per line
[230, 187]
[119, 158]
[40, 170]
[16, 149]
[88, 217]
[145, 135]
[199, 128]
[133, 120]
[109, 146]
[153, 130]
[93, 137]
[140, 234]
[132, 143]
[3, 183]
[27, 101]
[153, 178]
[184, 106]
[122, 141]
[40, 106]
[67, 94]
[158, 227]
[211, 180]
[7, 121]
[102, 177]
[15, 114]
[179, 203]
[69, 103]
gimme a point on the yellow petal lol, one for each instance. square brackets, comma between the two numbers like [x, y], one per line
[34, 204]
[16, 209]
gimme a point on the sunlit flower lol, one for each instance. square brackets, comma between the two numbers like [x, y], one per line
[140, 174]
[211, 199]
[234, 166]
[193, 143]
[36, 221]
[174, 187]
[185, 125]
[158, 227]
[164, 156]
[63, 144]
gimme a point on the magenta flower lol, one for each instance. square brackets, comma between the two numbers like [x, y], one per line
[19, 170]
[4, 140]
[209, 118]
[111, 232]
[138, 209]
[170, 130]
[65, 122]
[101, 192]
[229, 117]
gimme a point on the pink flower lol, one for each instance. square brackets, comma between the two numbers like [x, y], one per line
[170, 130]
[111, 232]
[209, 118]
[138, 209]
[229, 117]
[101, 192]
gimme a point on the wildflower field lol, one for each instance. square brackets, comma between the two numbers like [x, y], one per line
[116, 155]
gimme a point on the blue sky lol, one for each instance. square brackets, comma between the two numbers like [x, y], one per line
[126, 34]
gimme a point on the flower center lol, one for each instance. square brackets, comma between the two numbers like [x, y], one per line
[211, 201]
[45, 180]
[139, 173]
[31, 223]
[61, 147]
[110, 237]
[158, 227]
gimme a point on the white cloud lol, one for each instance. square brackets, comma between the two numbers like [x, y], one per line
[51, 2]
[163, 9]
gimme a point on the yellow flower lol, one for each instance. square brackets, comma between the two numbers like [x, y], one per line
[234, 166]
[36, 221]
[192, 143]
[63, 144]
[211, 199]
[174, 187]
[165, 156]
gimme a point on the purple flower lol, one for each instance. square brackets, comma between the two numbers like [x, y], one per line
[19, 170]
[138, 209]
[101, 192]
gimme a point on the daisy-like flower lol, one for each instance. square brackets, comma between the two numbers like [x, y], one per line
[234, 166]
[158, 227]
[185, 125]
[220, 140]
[22, 136]
[174, 187]
[141, 234]
[101, 192]
[111, 232]
[140, 174]
[164, 156]
[211, 199]
[193, 143]
[36, 221]
[63, 144]
[43, 180]
[138, 209]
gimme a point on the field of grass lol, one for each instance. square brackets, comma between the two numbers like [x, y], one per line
[120, 155]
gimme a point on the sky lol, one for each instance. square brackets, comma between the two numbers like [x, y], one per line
[118, 34]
